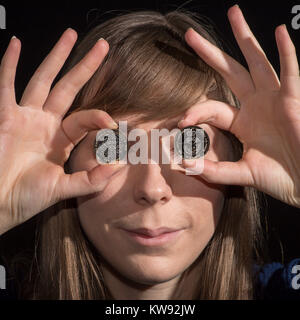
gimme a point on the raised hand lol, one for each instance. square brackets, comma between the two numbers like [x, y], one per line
[268, 121]
[35, 142]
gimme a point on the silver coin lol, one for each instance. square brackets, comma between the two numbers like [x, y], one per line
[110, 146]
[191, 142]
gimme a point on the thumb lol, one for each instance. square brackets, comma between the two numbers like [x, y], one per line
[224, 172]
[83, 183]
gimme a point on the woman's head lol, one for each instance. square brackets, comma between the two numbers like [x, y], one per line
[150, 77]
[150, 196]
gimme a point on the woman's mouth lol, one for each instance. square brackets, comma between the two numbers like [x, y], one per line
[151, 240]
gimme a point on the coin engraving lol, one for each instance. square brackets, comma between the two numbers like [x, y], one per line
[191, 142]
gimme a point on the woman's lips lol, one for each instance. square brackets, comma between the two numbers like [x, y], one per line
[159, 240]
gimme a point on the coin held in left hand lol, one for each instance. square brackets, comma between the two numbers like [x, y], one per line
[192, 142]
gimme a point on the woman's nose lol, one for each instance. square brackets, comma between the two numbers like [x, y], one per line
[151, 186]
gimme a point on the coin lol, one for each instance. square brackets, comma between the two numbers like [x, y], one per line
[110, 146]
[191, 142]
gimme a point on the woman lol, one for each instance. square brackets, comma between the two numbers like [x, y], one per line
[154, 71]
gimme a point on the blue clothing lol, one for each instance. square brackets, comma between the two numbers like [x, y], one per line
[276, 281]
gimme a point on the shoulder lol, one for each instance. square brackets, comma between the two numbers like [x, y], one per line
[278, 281]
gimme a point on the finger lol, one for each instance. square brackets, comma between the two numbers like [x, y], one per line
[64, 92]
[216, 113]
[289, 67]
[8, 68]
[235, 75]
[38, 87]
[262, 72]
[225, 172]
[78, 124]
[82, 183]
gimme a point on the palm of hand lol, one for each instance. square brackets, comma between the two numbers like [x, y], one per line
[35, 147]
[268, 121]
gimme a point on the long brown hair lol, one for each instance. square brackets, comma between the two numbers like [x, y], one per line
[151, 71]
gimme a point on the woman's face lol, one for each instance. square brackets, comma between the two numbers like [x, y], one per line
[151, 196]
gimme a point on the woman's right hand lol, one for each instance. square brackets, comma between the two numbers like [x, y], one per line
[35, 140]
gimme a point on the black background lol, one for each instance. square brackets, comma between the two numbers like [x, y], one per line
[39, 25]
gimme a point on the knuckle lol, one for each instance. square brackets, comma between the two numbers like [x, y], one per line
[42, 77]
[88, 67]
[69, 87]
[99, 113]
[102, 115]
[93, 114]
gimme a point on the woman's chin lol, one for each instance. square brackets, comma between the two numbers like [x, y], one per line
[150, 278]
[151, 271]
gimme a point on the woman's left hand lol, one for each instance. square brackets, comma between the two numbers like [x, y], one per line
[268, 121]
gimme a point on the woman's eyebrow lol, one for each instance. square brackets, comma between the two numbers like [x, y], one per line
[168, 124]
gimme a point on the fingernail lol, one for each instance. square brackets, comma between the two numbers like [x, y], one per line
[73, 32]
[189, 163]
[194, 171]
[191, 172]
[13, 37]
[113, 124]
[100, 39]
[185, 118]
[180, 122]
[117, 166]
[236, 5]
